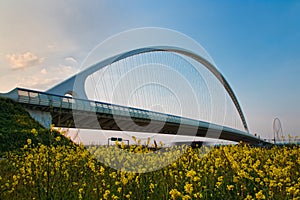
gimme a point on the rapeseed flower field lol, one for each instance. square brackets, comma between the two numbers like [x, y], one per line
[222, 172]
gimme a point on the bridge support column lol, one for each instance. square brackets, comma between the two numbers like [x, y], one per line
[44, 118]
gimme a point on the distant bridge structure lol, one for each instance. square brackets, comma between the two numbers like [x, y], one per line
[54, 107]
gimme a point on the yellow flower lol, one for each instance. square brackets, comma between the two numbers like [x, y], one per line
[260, 195]
[174, 193]
[188, 188]
[230, 187]
[220, 178]
[106, 194]
[28, 141]
[186, 197]
[102, 169]
[113, 175]
[119, 189]
[124, 180]
[235, 179]
[34, 132]
[151, 186]
[191, 173]
[196, 179]
[57, 138]
[290, 190]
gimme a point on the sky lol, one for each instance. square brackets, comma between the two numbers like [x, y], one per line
[255, 44]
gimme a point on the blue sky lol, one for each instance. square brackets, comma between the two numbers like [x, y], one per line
[255, 44]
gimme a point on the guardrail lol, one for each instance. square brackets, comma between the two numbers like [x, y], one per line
[32, 97]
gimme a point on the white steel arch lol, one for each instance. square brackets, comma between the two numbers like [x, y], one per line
[78, 81]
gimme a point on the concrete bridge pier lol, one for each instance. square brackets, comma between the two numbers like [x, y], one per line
[43, 117]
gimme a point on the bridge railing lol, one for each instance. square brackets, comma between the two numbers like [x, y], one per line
[31, 97]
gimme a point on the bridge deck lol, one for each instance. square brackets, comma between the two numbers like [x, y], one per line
[78, 113]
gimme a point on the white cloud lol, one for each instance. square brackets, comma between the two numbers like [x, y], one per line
[71, 60]
[37, 82]
[66, 70]
[21, 61]
[46, 77]
[44, 71]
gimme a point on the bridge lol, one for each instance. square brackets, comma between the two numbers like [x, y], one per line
[61, 111]
[54, 107]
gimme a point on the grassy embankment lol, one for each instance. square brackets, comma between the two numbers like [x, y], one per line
[16, 127]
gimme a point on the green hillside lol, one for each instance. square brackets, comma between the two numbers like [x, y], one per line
[16, 126]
